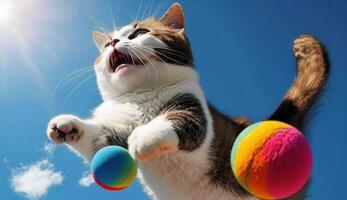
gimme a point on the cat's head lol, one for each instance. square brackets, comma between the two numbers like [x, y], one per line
[144, 54]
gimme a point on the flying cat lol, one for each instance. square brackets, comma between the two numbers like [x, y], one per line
[154, 106]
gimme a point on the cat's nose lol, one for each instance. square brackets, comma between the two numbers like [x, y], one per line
[114, 42]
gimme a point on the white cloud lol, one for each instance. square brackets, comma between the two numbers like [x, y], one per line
[33, 181]
[49, 148]
[86, 180]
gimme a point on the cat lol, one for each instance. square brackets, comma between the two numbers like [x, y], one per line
[153, 105]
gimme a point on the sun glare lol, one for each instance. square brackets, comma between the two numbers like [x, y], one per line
[16, 19]
[6, 13]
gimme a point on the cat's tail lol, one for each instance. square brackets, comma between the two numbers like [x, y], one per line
[312, 73]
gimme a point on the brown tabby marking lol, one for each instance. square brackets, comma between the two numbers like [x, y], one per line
[226, 130]
[188, 119]
[178, 51]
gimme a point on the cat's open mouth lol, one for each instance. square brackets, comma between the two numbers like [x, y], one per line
[119, 60]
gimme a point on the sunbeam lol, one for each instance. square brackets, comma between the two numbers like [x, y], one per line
[19, 35]
[7, 12]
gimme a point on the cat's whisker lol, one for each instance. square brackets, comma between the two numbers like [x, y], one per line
[98, 22]
[129, 47]
[75, 72]
[155, 70]
[128, 55]
[166, 49]
[150, 10]
[77, 76]
[75, 88]
[175, 60]
[166, 65]
[72, 75]
[129, 14]
[132, 52]
[138, 10]
[144, 12]
[112, 15]
[163, 61]
[159, 47]
[154, 51]
[157, 9]
[144, 64]
[177, 53]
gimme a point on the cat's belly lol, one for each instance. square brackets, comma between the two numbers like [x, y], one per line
[174, 177]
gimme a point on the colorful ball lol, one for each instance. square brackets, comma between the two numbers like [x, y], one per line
[271, 159]
[113, 168]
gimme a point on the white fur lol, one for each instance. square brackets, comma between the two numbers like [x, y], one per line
[129, 107]
[153, 139]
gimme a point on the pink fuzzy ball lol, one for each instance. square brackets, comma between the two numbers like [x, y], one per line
[271, 159]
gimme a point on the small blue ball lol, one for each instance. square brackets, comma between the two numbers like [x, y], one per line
[113, 168]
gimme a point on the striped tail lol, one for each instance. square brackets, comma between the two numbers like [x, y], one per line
[312, 73]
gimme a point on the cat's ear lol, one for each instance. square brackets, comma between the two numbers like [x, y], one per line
[174, 17]
[99, 39]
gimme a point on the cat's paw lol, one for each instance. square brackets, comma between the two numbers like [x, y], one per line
[306, 46]
[150, 141]
[64, 128]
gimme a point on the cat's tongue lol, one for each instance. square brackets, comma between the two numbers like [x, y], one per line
[122, 68]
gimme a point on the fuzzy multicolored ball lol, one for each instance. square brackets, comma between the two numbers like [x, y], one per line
[271, 159]
[113, 168]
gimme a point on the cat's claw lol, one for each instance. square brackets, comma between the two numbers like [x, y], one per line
[146, 143]
[64, 129]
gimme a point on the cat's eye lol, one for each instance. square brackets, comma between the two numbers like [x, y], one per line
[138, 32]
[107, 44]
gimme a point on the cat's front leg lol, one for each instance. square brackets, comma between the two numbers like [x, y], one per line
[65, 129]
[152, 140]
[181, 125]
[76, 133]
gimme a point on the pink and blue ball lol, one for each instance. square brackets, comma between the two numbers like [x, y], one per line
[113, 168]
[271, 159]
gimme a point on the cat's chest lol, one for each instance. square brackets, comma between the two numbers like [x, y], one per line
[127, 115]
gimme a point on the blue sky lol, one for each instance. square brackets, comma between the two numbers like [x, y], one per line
[242, 51]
